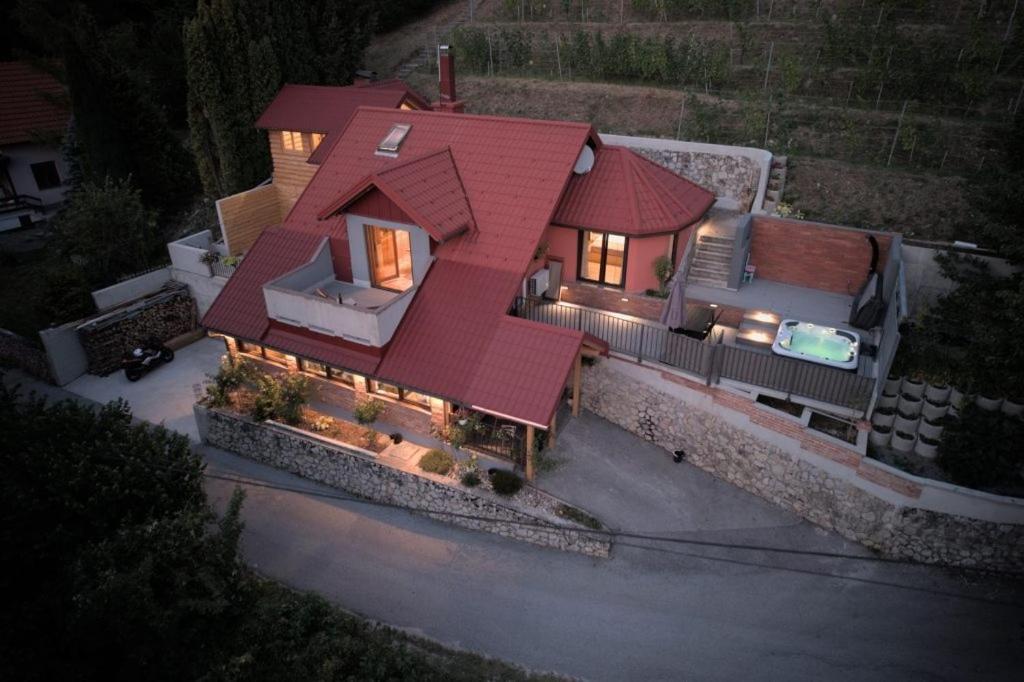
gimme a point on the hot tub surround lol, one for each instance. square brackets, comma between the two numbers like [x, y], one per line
[817, 343]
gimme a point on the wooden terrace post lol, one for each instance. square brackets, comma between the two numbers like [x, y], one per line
[577, 375]
[529, 453]
[552, 433]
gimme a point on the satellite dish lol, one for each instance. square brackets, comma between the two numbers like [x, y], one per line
[585, 162]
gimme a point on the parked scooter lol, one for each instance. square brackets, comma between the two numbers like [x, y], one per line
[141, 360]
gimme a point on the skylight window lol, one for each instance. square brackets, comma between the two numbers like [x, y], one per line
[393, 140]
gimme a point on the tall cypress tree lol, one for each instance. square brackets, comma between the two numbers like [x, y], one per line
[238, 53]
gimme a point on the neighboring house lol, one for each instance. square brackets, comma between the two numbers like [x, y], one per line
[33, 120]
[451, 264]
[303, 123]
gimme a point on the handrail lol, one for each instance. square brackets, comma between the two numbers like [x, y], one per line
[16, 201]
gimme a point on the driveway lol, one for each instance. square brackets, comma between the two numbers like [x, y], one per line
[165, 395]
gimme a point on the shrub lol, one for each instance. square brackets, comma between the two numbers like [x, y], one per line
[505, 482]
[280, 398]
[662, 266]
[229, 377]
[437, 462]
[471, 479]
[982, 449]
[578, 516]
[367, 411]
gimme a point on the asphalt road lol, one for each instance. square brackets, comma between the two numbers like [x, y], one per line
[648, 613]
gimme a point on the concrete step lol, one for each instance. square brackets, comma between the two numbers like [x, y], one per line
[713, 250]
[760, 318]
[758, 338]
[709, 239]
[713, 256]
[705, 282]
[706, 269]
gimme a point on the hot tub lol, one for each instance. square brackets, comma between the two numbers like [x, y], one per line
[817, 343]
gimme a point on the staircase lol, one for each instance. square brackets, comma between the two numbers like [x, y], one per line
[758, 329]
[441, 33]
[776, 184]
[712, 258]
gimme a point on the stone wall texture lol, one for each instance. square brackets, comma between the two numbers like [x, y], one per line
[356, 472]
[164, 315]
[17, 351]
[734, 177]
[771, 472]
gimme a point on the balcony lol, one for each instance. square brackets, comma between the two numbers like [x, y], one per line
[312, 297]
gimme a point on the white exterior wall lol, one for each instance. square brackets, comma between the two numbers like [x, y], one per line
[20, 159]
[419, 242]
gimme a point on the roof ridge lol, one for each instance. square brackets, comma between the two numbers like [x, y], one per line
[633, 199]
[662, 194]
[487, 117]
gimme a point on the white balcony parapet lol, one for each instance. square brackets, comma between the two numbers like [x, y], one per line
[312, 298]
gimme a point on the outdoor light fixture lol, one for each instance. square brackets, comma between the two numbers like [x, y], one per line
[624, 299]
[564, 287]
[712, 305]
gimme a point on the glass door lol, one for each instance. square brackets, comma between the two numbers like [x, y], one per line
[390, 256]
[602, 258]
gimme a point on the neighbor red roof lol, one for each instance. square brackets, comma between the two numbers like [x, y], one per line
[31, 103]
[626, 193]
[427, 189]
[456, 340]
[327, 109]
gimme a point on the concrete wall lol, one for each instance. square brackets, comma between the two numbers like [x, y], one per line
[64, 351]
[923, 277]
[737, 175]
[186, 253]
[131, 289]
[204, 289]
[767, 453]
[354, 470]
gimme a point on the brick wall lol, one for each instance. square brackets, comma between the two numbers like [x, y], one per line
[813, 255]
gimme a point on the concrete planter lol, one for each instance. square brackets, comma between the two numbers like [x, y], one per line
[912, 387]
[987, 403]
[956, 398]
[1013, 408]
[926, 447]
[892, 385]
[905, 424]
[937, 394]
[880, 435]
[888, 400]
[883, 417]
[929, 429]
[934, 412]
[910, 405]
[902, 442]
[953, 411]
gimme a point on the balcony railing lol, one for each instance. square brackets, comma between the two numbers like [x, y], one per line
[20, 202]
[710, 360]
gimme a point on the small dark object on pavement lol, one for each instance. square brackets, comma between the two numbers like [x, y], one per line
[679, 456]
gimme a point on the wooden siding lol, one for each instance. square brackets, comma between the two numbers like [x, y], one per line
[245, 215]
[291, 171]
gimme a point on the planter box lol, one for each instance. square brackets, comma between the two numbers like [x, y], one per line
[937, 394]
[934, 412]
[956, 398]
[953, 411]
[930, 429]
[902, 442]
[880, 418]
[905, 424]
[914, 388]
[1012, 408]
[888, 400]
[910, 405]
[892, 386]
[926, 450]
[880, 437]
[986, 403]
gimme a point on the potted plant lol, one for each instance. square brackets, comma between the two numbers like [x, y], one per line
[913, 386]
[902, 441]
[892, 385]
[887, 400]
[662, 266]
[880, 435]
[937, 393]
[906, 422]
[988, 402]
[931, 428]
[926, 447]
[932, 411]
[209, 258]
[956, 397]
[883, 416]
[910, 404]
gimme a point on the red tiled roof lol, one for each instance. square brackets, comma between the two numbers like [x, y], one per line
[31, 102]
[240, 310]
[327, 109]
[427, 188]
[626, 193]
[324, 348]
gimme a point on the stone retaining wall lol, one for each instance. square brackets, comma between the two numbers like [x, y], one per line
[733, 177]
[356, 471]
[17, 351]
[693, 418]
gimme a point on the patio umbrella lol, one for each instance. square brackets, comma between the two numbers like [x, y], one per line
[673, 315]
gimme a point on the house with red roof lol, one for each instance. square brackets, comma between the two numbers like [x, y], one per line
[33, 119]
[455, 264]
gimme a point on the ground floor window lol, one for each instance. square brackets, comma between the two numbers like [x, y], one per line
[602, 257]
[249, 348]
[313, 367]
[396, 393]
[341, 376]
[277, 357]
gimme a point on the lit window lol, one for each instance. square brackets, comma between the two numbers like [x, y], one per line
[317, 139]
[276, 357]
[314, 367]
[390, 391]
[342, 377]
[250, 349]
[292, 141]
[416, 398]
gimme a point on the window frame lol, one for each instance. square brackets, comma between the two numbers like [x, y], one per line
[289, 138]
[580, 258]
[49, 165]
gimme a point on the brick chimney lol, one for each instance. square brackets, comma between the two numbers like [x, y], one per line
[446, 81]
